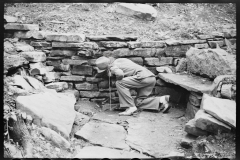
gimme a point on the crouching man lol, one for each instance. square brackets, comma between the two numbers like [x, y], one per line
[133, 76]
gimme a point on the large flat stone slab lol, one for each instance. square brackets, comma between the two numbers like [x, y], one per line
[18, 26]
[146, 133]
[208, 123]
[65, 37]
[190, 83]
[222, 109]
[104, 134]
[103, 152]
[49, 109]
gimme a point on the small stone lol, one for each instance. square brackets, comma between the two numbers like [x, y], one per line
[24, 115]
[186, 143]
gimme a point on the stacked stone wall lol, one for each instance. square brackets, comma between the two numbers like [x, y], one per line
[70, 57]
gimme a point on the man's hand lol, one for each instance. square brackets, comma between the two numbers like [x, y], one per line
[119, 78]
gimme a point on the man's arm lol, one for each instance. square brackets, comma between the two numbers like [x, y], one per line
[117, 71]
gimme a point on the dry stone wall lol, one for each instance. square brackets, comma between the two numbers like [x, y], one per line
[70, 57]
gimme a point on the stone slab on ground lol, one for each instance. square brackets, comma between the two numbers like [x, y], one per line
[208, 123]
[222, 109]
[103, 152]
[49, 109]
[190, 83]
[191, 129]
[146, 134]
[87, 107]
[104, 134]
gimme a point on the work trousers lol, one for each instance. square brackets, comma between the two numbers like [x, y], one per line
[143, 87]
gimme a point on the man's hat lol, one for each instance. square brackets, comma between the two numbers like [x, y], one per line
[102, 64]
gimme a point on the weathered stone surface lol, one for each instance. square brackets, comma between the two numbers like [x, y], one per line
[164, 69]
[192, 41]
[73, 78]
[93, 79]
[18, 26]
[74, 62]
[191, 128]
[51, 77]
[177, 51]
[201, 46]
[182, 65]
[86, 86]
[10, 19]
[54, 58]
[41, 71]
[65, 37]
[9, 48]
[40, 44]
[66, 53]
[23, 47]
[113, 44]
[71, 93]
[208, 123]
[90, 45]
[191, 111]
[144, 136]
[53, 136]
[50, 110]
[20, 81]
[89, 94]
[166, 61]
[86, 107]
[113, 38]
[152, 61]
[81, 119]
[172, 42]
[125, 52]
[222, 109]
[53, 62]
[148, 44]
[217, 34]
[205, 36]
[175, 94]
[103, 152]
[229, 33]
[104, 134]
[137, 60]
[58, 86]
[36, 84]
[212, 44]
[29, 34]
[227, 91]
[62, 67]
[82, 70]
[210, 62]
[195, 99]
[190, 83]
[142, 11]
[34, 56]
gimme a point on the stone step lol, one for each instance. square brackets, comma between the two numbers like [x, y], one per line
[189, 82]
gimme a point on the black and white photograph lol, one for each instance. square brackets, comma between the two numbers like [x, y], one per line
[119, 80]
